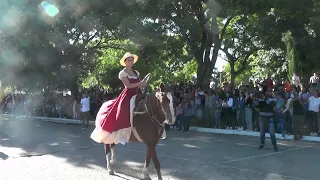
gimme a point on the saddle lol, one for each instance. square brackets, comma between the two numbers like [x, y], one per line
[140, 103]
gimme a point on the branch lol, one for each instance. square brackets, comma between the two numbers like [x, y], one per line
[105, 46]
[226, 59]
[245, 62]
[229, 56]
[191, 45]
[224, 29]
[198, 10]
[85, 43]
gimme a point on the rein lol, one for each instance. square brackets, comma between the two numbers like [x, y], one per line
[151, 114]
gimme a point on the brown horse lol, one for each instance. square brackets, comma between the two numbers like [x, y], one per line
[148, 127]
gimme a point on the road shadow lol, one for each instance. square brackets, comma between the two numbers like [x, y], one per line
[182, 156]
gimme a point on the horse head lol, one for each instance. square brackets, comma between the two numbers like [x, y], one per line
[166, 101]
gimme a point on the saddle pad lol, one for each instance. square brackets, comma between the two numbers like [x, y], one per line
[132, 106]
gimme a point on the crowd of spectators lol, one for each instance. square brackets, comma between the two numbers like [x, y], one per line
[51, 105]
[220, 107]
[236, 108]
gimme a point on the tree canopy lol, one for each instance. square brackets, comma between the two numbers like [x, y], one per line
[68, 44]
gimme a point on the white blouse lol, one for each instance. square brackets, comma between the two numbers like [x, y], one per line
[123, 73]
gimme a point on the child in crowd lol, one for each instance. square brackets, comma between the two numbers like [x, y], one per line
[76, 108]
[187, 114]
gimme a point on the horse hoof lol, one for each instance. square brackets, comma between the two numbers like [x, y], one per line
[111, 172]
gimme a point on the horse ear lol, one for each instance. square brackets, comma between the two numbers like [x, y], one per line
[162, 87]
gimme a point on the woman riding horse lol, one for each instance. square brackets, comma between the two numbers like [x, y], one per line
[115, 122]
[113, 119]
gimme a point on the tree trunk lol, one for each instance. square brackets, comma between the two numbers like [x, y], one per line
[74, 87]
[232, 75]
[204, 73]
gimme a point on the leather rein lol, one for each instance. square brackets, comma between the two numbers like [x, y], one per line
[151, 114]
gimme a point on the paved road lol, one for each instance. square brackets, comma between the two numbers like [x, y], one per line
[37, 150]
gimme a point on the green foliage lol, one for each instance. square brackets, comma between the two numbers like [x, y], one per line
[166, 64]
[174, 39]
[243, 77]
[291, 54]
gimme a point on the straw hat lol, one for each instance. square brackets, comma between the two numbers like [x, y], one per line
[125, 56]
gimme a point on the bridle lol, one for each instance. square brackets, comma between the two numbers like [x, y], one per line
[151, 114]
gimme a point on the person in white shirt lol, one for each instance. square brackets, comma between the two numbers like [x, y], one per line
[314, 104]
[228, 115]
[212, 85]
[314, 81]
[295, 80]
[85, 111]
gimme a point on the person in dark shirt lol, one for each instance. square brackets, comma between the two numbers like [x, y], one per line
[298, 116]
[265, 106]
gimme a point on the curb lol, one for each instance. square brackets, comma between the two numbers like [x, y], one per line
[255, 134]
[55, 120]
[197, 129]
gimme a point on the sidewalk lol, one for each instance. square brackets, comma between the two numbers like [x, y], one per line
[197, 129]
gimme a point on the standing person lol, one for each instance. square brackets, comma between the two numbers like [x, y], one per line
[227, 113]
[287, 86]
[76, 108]
[237, 108]
[248, 111]
[217, 112]
[297, 116]
[187, 113]
[85, 111]
[179, 114]
[242, 110]
[296, 80]
[304, 96]
[314, 81]
[113, 119]
[209, 108]
[279, 115]
[266, 118]
[288, 111]
[200, 98]
[314, 102]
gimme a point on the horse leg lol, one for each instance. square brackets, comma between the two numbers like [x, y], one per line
[113, 154]
[107, 150]
[146, 165]
[156, 162]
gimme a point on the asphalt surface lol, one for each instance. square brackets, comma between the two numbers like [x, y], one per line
[37, 150]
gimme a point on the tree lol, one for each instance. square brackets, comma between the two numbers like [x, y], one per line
[238, 46]
[197, 23]
[53, 49]
[291, 54]
[167, 62]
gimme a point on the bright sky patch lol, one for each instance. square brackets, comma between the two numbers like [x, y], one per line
[50, 9]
